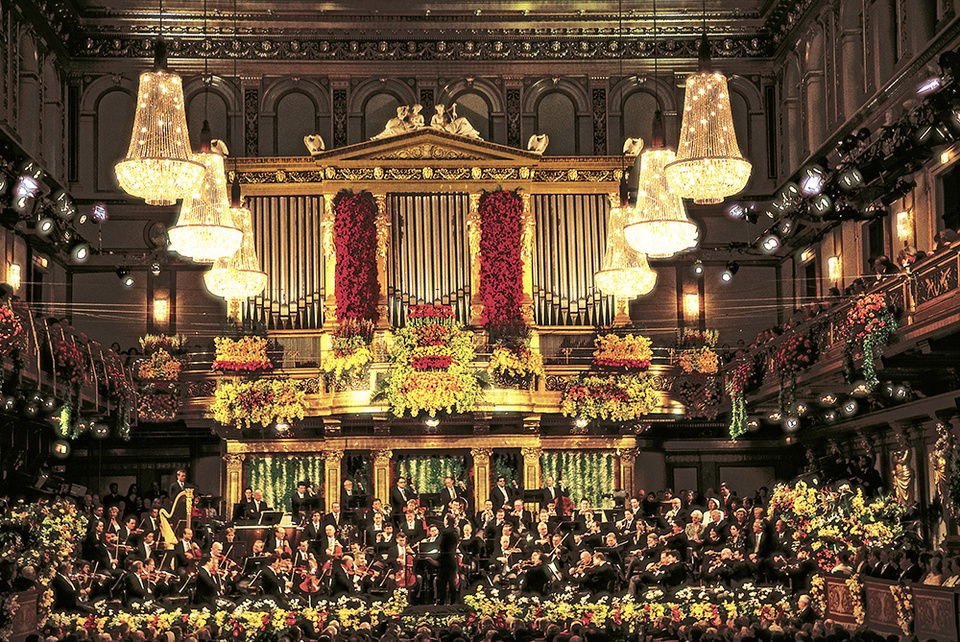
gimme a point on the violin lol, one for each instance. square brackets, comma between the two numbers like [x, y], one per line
[311, 581]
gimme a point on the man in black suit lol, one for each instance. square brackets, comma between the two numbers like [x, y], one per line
[138, 587]
[521, 518]
[301, 502]
[374, 532]
[257, 506]
[179, 485]
[341, 577]
[447, 565]
[502, 495]
[601, 577]
[537, 576]
[448, 493]
[272, 584]
[912, 571]
[485, 516]
[412, 527]
[399, 496]
[113, 498]
[66, 594]
[759, 551]
[313, 529]
[145, 548]
[150, 522]
[348, 495]
[335, 517]
[209, 588]
[551, 492]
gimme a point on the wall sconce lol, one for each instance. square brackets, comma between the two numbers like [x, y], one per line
[13, 276]
[834, 269]
[161, 310]
[691, 305]
[904, 225]
[807, 255]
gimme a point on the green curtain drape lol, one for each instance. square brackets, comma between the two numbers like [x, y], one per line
[587, 474]
[277, 477]
[427, 473]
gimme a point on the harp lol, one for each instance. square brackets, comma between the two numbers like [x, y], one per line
[166, 531]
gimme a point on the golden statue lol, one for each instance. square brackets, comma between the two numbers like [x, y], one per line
[902, 476]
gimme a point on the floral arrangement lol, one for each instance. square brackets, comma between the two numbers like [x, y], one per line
[828, 521]
[617, 397]
[259, 620]
[516, 364]
[431, 369]
[818, 595]
[688, 338]
[9, 605]
[745, 377]
[630, 352]
[903, 598]
[796, 352]
[42, 535]
[120, 393]
[355, 239]
[701, 360]
[264, 401]
[160, 365]
[158, 402]
[501, 267]
[871, 324]
[350, 356]
[699, 394]
[247, 354]
[716, 606]
[855, 586]
[13, 336]
[174, 344]
[68, 361]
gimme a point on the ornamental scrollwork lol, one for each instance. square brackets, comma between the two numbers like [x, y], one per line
[234, 460]
[531, 452]
[481, 455]
[382, 457]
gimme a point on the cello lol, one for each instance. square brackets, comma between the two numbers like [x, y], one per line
[406, 577]
[564, 503]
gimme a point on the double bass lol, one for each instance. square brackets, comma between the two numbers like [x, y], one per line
[564, 503]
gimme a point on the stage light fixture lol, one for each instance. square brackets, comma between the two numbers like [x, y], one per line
[830, 416]
[790, 440]
[698, 268]
[281, 426]
[27, 186]
[9, 403]
[60, 449]
[753, 424]
[860, 389]
[79, 251]
[729, 271]
[99, 429]
[774, 416]
[43, 226]
[849, 408]
[31, 410]
[65, 207]
[901, 393]
[581, 423]
[770, 243]
[50, 405]
[929, 86]
[432, 422]
[812, 180]
[125, 277]
[828, 399]
[98, 213]
[155, 268]
[791, 425]
[850, 179]
[821, 204]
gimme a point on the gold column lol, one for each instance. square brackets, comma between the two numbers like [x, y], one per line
[234, 480]
[628, 458]
[329, 269]
[383, 246]
[381, 475]
[531, 467]
[473, 222]
[331, 468]
[526, 255]
[481, 474]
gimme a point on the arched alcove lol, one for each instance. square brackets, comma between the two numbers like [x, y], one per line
[207, 105]
[474, 107]
[53, 128]
[114, 123]
[557, 118]
[28, 106]
[377, 111]
[637, 121]
[296, 118]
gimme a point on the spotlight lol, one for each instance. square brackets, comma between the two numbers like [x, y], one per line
[812, 180]
[79, 251]
[901, 393]
[698, 268]
[432, 422]
[83, 425]
[125, 277]
[830, 416]
[99, 429]
[43, 226]
[27, 186]
[801, 409]
[98, 213]
[849, 408]
[786, 227]
[929, 86]
[770, 244]
[753, 424]
[850, 179]
[60, 449]
[155, 268]
[791, 425]
[736, 210]
[860, 389]
[31, 410]
[729, 271]
[829, 400]
[65, 207]
[821, 204]
[790, 440]
[9, 403]
[581, 422]
[774, 416]
[49, 405]
[281, 426]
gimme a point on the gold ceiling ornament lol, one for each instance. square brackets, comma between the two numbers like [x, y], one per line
[158, 166]
[709, 166]
[658, 225]
[625, 272]
[205, 230]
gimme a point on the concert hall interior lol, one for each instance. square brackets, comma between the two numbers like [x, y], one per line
[491, 321]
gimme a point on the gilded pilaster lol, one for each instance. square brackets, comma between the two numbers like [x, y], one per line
[381, 475]
[383, 247]
[531, 466]
[331, 469]
[526, 256]
[329, 267]
[473, 222]
[628, 458]
[233, 480]
[481, 474]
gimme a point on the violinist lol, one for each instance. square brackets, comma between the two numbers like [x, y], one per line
[301, 557]
[138, 585]
[129, 531]
[334, 518]
[558, 555]
[233, 548]
[209, 586]
[535, 575]
[301, 502]
[274, 584]
[374, 532]
[67, 593]
[576, 572]
[341, 577]
[113, 553]
[278, 541]
[599, 576]
[156, 580]
[506, 560]
[112, 520]
[541, 541]
[470, 548]
[145, 548]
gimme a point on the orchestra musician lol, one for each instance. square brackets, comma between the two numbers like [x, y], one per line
[151, 522]
[278, 541]
[138, 585]
[521, 518]
[240, 508]
[447, 563]
[256, 506]
[301, 557]
[334, 518]
[348, 494]
[400, 495]
[186, 553]
[448, 493]
[374, 532]
[503, 495]
[341, 577]
[209, 586]
[485, 516]
[413, 523]
[179, 485]
[535, 576]
[551, 493]
[145, 548]
[67, 594]
[331, 547]
[301, 502]
[273, 582]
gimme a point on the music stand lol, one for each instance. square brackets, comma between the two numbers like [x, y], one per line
[254, 564]
[270, 518]
[532, 497]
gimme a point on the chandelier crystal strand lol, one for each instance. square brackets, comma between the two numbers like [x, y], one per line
[238, 277]
[709, 166]
[205, 230]
[625, 272]
[158, 166]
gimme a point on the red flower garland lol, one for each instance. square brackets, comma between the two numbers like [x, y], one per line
[431, 362]
[501, 268]
[68, 361]
[355, 238]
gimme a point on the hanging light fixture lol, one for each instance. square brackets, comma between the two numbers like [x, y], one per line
[158, 167]
[625, 272]
[205, 230]
[658, 226]
[709, 166]
[240, 276]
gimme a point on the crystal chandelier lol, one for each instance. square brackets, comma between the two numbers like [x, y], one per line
[658, 225]
[625, 272]
[205, 230]
[709, 166]
[158, 167]
[238, 277]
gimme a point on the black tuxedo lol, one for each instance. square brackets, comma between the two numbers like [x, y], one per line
[142, 552]
[598, 579]
[300, 506]
[313, 531]
[912, 574]
[481, 523]
[370, 536]
[537, 579]
[336, 520]
[66, 594]
[447, 495]
[175, 489]
[673, 575]
[398, 500]
[254, 508]
[414, 532]
[137, 589]
[502, 496]
[550, 494]
[271, 584]
[340, 583]
[208, 588]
